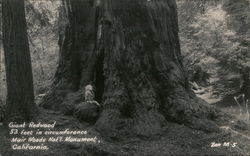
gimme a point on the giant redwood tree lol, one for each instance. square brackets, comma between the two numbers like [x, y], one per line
[129, 49]
[20, 96]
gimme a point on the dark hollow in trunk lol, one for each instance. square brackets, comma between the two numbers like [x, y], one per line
[99, 78]
[20, 95]
[130, 50]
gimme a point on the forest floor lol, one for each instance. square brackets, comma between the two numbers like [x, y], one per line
[176, 140]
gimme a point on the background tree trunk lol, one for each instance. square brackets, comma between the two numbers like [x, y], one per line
[20, 96]
[1, 41]
[130, 50]
[245, 89]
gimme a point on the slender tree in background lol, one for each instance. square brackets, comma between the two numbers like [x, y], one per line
[245, 89]
[130, 50]
[20, 96]
[1, 46]
[1, 39]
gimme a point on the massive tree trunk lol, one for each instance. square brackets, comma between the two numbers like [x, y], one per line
[130, 50]
[20, 96]
[77, 41]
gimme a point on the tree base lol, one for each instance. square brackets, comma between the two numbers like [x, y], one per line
[192, 112]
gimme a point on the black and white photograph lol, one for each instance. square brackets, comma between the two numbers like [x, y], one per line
[124, 77]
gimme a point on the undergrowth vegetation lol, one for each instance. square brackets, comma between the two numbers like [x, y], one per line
[215, 39]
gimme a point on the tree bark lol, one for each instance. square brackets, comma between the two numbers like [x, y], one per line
[245, 89]
[76, 43]
[1, 41]
[20, 95]
[130, 50]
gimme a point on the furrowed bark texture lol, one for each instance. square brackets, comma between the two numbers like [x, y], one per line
[145, 81]
[77, 43]
[130, 50]
[20, 96]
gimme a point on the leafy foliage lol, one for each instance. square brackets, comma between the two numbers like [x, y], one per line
[215, 38]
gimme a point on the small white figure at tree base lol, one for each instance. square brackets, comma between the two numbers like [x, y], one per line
[90, 94]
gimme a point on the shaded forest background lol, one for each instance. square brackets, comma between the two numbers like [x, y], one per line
[215, 39]
[42, 22]
[214, 36]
